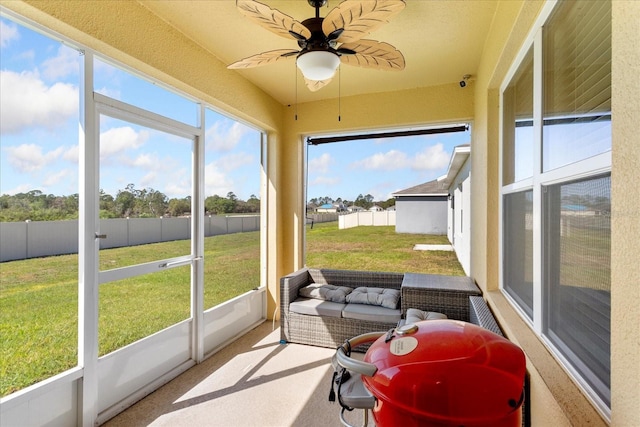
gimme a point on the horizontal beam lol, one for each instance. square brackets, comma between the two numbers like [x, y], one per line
[429, 131]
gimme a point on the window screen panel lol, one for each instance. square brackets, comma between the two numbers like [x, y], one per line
[518, 124]
[577, 83]
[518, 249]
[577, 246]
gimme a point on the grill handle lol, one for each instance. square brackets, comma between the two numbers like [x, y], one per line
[343, 359]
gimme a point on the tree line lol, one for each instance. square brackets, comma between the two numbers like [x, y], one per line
[365, 202]
[130, 202]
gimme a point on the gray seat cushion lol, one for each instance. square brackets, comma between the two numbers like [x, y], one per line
[414, 315]
[372, 313]
[317, 307]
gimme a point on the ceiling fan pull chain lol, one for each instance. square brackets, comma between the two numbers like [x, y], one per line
[339, 92]
[296, 104]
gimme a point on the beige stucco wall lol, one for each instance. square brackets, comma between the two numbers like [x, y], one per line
[625, 224]
[135, 37]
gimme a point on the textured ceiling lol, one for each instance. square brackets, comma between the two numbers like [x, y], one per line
[440, 40]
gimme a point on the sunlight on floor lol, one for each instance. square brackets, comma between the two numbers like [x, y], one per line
[255, 381]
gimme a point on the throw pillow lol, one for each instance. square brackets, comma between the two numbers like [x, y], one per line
[375, 296]
[326, 292]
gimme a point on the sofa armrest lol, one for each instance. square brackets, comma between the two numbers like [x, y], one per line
[443, 294]
[290, 286]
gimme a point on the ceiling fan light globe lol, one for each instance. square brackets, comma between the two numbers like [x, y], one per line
[318, 64]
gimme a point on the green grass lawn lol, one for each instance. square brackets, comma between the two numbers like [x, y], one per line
[377, 249]
[39, 297]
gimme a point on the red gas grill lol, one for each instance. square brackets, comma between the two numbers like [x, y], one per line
[433, 373]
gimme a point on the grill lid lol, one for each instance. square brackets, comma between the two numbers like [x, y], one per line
[444, 368]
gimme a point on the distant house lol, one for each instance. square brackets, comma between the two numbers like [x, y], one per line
[457, 181]
[375, 208]
[354, 208]
[422, 209]
[330, 208]
[327, 207]
[441, 206]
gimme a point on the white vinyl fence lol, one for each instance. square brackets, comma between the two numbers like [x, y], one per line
[357, 219]
[32, 239]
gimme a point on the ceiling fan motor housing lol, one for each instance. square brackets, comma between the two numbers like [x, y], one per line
[318, 40]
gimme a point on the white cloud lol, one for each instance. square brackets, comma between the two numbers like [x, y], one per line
[116, 140]
[173, 181]
[432, 158]
[30, 158]
[321, 164]
[391, 160]
[224, 135]
[145, 161]
[8, 33]
[22, 188]
[110, 92]
[149, 180]
[178, 190]
[28, 102]
[65, 63]
[54, 179]
[222, 175]
[216, 181]
[72, 154]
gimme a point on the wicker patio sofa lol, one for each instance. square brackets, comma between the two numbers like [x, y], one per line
[327, 331]
[433, 293]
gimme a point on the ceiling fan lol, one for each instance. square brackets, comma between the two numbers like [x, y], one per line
[326, 42]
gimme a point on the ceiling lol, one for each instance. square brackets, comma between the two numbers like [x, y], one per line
[440, 40]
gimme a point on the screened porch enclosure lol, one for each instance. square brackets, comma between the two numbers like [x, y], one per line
[129, 341]
[553, 199]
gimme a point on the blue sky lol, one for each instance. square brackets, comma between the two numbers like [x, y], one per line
[39, 137]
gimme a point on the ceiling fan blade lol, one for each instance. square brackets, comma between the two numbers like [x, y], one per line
[358, 18]
[297, 36]
[344, 51]
[373, 54]
[333, 35]
[263, 58]
[272, 19]
[315, 85]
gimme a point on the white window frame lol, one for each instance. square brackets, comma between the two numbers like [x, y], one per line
[586, 168]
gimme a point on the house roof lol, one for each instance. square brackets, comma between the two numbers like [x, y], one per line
[431, 188]
[459, 156]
